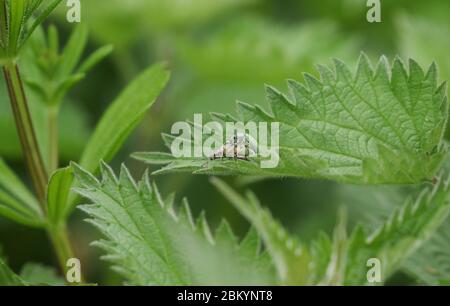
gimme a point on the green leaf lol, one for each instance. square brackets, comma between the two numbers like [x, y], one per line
[290, 257]
[3, 26]
[377, 126]
[37, 274]
[334, 273]
[31, 274]
[372, 205]
[8, 277]
[73, 50]
[51, 73]
[400, 236]
[15, 21]
[95, 58]
[16, 16]
[321, 250]
[41, 16]
[57, 195]
[150, 243]
[123, 115]
[431, 263]
[16, 201]
[425, 40]
[343, 260]
[156, 157]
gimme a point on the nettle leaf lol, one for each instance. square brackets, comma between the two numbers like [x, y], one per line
[290, 257]
[334, 273]
[381, 125]
[401, 235]
[431, 263]
[149, 243]
[343, 259]
[425, 40]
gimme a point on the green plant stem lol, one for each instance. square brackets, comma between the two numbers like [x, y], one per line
[53, 160]
[25, 130]
[61, 243]
[32, 154]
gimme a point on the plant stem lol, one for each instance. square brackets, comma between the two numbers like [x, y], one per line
[53, 160]
[25, 130]
[60, 240]
[33, 157]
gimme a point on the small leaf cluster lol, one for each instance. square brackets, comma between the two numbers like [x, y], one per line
[19, 19]
[51, 72]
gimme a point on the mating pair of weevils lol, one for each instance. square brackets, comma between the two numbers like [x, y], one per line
[240, 146]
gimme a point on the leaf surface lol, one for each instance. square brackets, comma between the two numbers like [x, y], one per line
[381, 125]
[149, 243]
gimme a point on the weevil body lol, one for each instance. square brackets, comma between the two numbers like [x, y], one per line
[240, 146]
